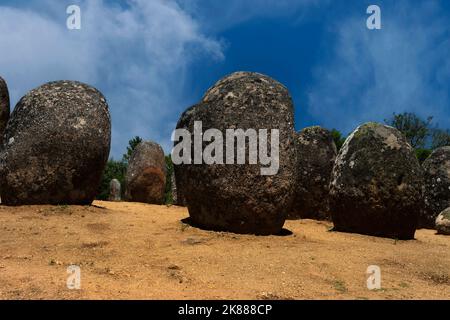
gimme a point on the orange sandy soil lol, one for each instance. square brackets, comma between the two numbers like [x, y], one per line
[140, 251]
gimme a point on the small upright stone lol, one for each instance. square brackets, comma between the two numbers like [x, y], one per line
[377, 184]
[4, 106]
[114, 190]
[443, 222]
[55, 146]
[437, 186]
[145, 179]
[316, 152]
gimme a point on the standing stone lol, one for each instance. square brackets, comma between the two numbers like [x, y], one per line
[4, 106]
[377, 184]
[443, 222]
[237, 197]
[114, 190]
[437, 186]
[316, 152]
[174, 189]
[56, 146]
[177, 196]
[145, 179]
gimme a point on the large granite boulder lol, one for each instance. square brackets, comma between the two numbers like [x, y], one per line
[316, 153]
[377, 184]
[248, 197]
[145, 179]
[437, 186]
[443, 222]
[4, 106]
[56, 145]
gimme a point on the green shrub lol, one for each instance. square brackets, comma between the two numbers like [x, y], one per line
[113, 170]
[422, 154]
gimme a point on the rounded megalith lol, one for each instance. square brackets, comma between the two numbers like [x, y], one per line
[114, 190]
[437, 186]
[240, 174]
[145, 179]
[443, 222]
[56, 145]
[316, 152]
[376, 184]
[4, 106]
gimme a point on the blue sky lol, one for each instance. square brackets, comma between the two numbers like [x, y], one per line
[152, 59]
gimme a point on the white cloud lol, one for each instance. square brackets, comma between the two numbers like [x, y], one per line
[136, 55]
[217, 15]
[371, 74]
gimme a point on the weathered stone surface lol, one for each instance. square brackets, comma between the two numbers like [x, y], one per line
[56, 145]
[237, 197]
[177, 195]
[377, 184]
[437, 186]
[316, 153]
[174, 188]
[146, 174]
[4, 106]
[115, 193]
[443, 222]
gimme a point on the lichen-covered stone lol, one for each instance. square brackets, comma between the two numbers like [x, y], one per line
[237, 197]
[443, 222]
[316, 153]
[437, 186]
[376, 184]
[56, 145]
[115, 193]
[4, 106]
[145, 179]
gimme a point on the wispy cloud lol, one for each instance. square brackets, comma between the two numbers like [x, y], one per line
[139, 54]
[368, 75]
[217, 15]
[136, 54]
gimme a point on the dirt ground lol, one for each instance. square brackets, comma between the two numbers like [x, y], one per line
[140, 251]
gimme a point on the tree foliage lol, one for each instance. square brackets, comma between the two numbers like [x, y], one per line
[338, 138]
[440, 138]
[116, 169]
[113, 170]
[423, 136]
[132, 144]
[422, 154]
[415, 129]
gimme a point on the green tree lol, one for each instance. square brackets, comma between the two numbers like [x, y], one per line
[132, 144]
[416, 130]
[440, 138]
[338, 138]
[422, 154]
[113, 170]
